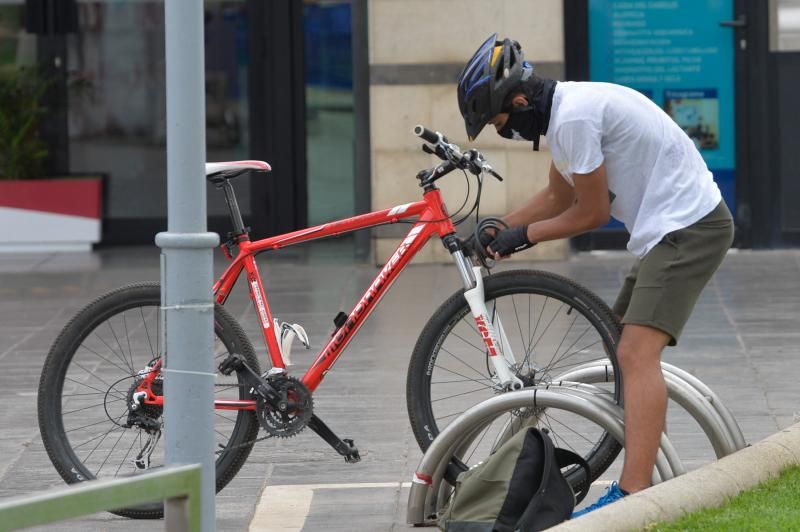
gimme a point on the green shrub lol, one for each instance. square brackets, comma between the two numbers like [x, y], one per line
[22, 152]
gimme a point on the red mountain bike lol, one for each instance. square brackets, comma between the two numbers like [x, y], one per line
[100, 397]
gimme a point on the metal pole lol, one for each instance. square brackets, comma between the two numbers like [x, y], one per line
[186, 260]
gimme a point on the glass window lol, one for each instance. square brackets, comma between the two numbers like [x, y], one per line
[785, 25]
[330, 123]
[117, 100]
[16, 46]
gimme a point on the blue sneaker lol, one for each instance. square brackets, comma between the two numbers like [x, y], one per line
[613, 493]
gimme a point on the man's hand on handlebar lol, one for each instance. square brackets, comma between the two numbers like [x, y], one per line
[508, 241]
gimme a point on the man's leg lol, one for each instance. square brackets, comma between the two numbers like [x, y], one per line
[645, 396]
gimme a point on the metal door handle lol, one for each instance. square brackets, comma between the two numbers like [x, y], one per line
[739, 22]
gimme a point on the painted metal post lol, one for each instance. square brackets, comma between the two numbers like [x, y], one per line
[186, 260]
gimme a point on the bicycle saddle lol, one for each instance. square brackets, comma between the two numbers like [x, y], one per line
[218, 172]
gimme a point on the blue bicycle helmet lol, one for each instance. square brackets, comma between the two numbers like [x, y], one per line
[486, 81]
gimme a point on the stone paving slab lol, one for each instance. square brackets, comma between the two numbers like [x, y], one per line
[743, 341]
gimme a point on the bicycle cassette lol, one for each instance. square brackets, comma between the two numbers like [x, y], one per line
[292, 412]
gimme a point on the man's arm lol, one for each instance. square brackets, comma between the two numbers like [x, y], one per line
[591, 209]
[547, 203]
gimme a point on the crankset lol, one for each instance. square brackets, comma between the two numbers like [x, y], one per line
[284, 406]
[292, 412]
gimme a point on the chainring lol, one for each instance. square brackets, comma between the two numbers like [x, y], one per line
[297, 404]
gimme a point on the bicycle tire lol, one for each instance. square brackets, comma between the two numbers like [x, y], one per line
[107, 367]
[523, 287]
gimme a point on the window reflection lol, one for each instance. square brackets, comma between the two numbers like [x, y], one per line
[329, 110]
[117, 99]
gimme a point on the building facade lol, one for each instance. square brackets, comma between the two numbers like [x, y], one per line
[328, 92]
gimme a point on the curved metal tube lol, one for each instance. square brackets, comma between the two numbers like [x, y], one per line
[727, 417]
[698, 407]
[687, 397]
[734, 431]
[671, 455]
[583, 404]
[683, 392]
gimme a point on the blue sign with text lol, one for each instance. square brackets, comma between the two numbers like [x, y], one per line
[675, 53]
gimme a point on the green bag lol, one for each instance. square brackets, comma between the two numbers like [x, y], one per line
[520, 487]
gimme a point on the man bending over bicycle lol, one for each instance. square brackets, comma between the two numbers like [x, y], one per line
[615, 153]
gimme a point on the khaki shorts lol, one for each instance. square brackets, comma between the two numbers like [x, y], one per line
[663, 286]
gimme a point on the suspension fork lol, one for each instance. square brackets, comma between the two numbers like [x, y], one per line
[498, 348]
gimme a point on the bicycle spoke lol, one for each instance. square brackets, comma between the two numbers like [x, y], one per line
[116, 339]
[460, 360]
[127, 370]
[481, 349]
[590, 442]
[536, 328]
[128, 338]
[459, 381]
[450, 415]
[564, 338]
[104, 420]
[519, 326]
[588, 328]
[116, 426]
[458, 395]
[109, 454]
[90, 406]
[94, 375]
[485, 432]
[103, 392]
[553, 368]
[457, 373]
[122, 462]
[147, 333]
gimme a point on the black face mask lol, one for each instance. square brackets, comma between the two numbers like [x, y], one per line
[521, 125]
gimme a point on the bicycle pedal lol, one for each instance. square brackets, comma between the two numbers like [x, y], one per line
[352, 455]
[231, 363]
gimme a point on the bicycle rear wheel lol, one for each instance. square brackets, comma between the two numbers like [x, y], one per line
[552, 325]
[88, 381]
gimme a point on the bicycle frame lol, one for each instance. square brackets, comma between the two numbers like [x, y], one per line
[432, 220]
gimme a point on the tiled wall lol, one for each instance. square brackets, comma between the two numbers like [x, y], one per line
[417, 49]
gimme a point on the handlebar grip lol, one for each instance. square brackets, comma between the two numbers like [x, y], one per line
[426, 134]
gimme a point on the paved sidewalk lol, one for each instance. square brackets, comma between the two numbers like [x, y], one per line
[742, 341]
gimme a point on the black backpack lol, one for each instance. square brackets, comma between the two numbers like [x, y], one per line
[520, 487]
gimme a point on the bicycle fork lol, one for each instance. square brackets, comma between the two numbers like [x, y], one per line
[498, 348]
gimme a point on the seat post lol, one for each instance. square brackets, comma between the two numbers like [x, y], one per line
[233, 208]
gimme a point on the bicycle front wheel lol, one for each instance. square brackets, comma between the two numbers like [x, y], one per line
[88, 381]
[552, 325]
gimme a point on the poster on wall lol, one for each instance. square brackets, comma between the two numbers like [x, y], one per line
[676, 53]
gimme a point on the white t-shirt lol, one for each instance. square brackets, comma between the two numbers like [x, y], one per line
[657, 180]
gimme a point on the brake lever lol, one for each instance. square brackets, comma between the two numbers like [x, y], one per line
[497, 176]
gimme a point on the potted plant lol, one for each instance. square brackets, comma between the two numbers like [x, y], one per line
[39, 212]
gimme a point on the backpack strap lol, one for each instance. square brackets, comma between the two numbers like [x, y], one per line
[565, 458]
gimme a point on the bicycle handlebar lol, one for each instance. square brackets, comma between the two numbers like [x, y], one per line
[427, 135]
[473, 160]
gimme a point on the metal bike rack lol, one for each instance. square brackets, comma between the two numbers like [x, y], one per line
[688, 391]
[573, 391]
[426, 484]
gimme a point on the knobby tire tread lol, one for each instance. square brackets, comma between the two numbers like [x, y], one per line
[497, 285]
[227, 329]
